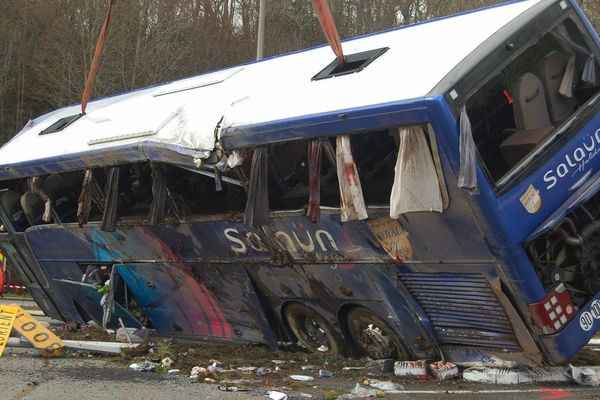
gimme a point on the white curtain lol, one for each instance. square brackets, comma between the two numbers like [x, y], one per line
[351, 195]
[416, 186]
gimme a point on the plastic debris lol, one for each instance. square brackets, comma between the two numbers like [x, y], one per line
[305, 395]
[386, 386]
[262, 371]
[410, 368]
[210, 380]
[307, 367]
[275, 395]
[276, 362]
[583, 376]
[353, 368]
[173, 371]
[443, 370]
[215, 366]
[145, 366]
[323, 373]
[246, 369]
[362, 391]
[302, 378]
[385, 366]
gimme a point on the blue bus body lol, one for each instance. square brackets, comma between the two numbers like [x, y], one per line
[505, 274]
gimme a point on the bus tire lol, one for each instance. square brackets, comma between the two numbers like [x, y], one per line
[312, 330]
[374, 337]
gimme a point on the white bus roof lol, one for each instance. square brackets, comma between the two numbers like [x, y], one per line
[184, 114]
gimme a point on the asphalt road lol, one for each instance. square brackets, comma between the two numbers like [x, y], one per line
[26, 375]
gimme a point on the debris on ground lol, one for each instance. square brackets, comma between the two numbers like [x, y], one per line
[583, 376]
[302, 378]
[511, 376]
[410, 368]
[362, 391]
[323, 373]
[132, 335]
[386, 386]
[385, 366]
[443, 370]
[145, 366]
[275, 395]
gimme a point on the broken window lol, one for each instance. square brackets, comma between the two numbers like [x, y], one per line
[375, 155]
[289, 177]
[416, 174]
[192, 192]
[518, 110]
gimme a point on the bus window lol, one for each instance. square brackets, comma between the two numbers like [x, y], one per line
[288, 175]
[194, 193]
[519, 108]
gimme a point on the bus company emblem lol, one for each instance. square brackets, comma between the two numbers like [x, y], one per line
[392, 237]
[531, 200]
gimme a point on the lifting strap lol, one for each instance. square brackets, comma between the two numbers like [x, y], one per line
[329, 29]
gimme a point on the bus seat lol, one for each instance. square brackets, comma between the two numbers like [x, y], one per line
[531, 118]
[551, 70]
[63, 200]
[33, 206]
[11, 204]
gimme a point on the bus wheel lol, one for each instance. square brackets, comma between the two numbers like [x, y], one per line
[312, 330]
[374, 337]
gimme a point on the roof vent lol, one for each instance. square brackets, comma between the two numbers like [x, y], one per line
[61, 124]
[352, 63]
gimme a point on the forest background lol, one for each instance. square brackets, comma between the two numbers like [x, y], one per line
[46, 46]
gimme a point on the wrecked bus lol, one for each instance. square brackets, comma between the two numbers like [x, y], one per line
[435, 196]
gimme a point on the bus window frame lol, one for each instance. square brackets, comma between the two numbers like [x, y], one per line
[496, 61]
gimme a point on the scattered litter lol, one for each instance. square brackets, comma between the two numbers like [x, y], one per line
[443, 370]
[197, 371]
[146, 366]
[276, 362]
[410, 368]
[305, 395]
[173, 371]
[262, 371]
[226, 388]
[215, 366]
[362, 391]
[307, 367]
[583, 376]
[353, 368]
[275, 395]
[302, 378]
[166, 362]
[210, 380]
[385, 366]
[323, 373]
[386, 386]
[132, 335]
[246, 369]
[506, 376]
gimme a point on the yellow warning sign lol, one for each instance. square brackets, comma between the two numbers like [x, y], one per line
[37, 334]
[7, 319]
